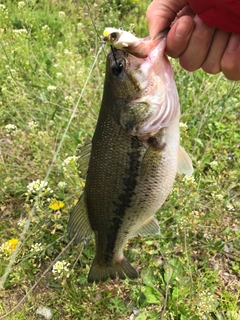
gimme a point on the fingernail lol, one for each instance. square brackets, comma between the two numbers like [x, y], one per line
[233, 42]
[183, 28]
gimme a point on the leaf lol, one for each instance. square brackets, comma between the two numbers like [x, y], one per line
[148, 277]
[172, 270]
[199, 141]
[152, 295]
[142, 316]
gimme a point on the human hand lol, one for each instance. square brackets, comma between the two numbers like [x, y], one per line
[196, 44]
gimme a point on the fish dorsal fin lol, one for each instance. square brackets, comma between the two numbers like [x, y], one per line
[83, 154]
[184, 162]
[78, 224]
[150, 227]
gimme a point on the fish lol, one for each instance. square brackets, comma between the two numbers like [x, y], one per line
[135, 153]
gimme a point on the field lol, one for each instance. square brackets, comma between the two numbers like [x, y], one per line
[51, 73]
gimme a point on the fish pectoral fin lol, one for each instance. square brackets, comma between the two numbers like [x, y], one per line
[78, 225]
[83, 154]
[184, 162]
[150, 227]
[150, 159]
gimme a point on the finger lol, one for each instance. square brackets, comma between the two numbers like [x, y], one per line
[179, 35]
[196, 52]
[160, 15]
[230, 62]
[186, 11]
[212, 63]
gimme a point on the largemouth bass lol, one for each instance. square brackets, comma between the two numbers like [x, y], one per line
[134, 155]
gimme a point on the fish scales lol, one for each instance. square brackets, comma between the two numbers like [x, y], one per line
[119, 175]
[134, 155]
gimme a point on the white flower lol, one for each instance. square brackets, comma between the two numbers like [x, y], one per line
[190, 181]
[61, 15]
[21, 223]
[59, 75]
[5, 248]
[214, 164]
[60, 269]
[20, 31]
[11, 128]
[69, 99]
[36, 247]
[45, 28]
[183, 126]
[62, 184]
[38, 186]
[51, 88]
[32, 124]
[67, 52]
[21, 4]
[230, 207]
[79, 25]
[2, 7]
[69, 162]
[219, 197]
[207, 302]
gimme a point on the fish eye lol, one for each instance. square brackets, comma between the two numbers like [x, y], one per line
[117, 68]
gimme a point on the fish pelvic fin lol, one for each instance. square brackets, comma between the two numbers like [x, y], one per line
[83, 154]
[78, 225]
[102, 272]
[150, 227]
[184, 162]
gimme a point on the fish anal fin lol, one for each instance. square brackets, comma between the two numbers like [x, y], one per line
[150, 227]
[78, 225]
[184, 162]
[101, 272]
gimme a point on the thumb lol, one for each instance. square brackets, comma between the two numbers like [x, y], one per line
[161, 13]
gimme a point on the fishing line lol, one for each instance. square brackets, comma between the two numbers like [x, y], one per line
[114, 55]
[119, 66]
[92, 19]
[32, 211]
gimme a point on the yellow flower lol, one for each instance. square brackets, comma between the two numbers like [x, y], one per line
[56, 204]
[13, 242]
[7, 247]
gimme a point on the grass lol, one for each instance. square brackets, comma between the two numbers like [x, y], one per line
[190, 271]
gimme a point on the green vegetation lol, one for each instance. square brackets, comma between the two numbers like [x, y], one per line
[190, 271]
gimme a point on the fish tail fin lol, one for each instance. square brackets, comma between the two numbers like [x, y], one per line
[100, 272]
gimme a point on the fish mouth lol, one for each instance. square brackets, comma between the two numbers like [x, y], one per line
[127, 42]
